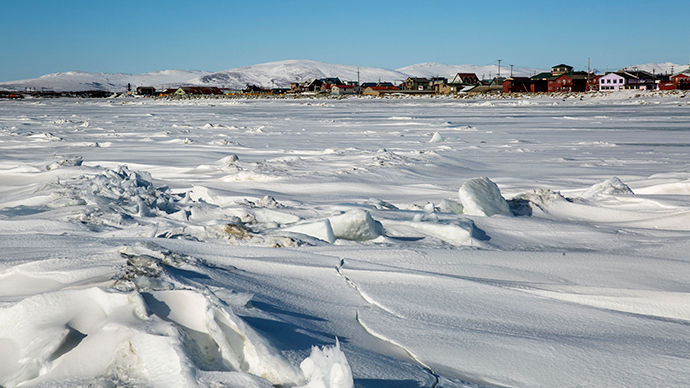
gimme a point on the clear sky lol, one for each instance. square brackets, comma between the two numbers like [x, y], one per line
[47, 36]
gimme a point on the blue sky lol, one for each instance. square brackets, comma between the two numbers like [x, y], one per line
[42, 37]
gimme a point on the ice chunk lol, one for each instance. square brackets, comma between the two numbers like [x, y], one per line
[481, 197]
[436, 138]
[69, 162]
[450, 206]
[320, 229]
[327, 367]
[356, 225]
[611, 186]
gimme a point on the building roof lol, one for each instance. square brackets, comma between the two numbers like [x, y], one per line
[562, 65]
[382, 88]
[544, 75]
[578, 75]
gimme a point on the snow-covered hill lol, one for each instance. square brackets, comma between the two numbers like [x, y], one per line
[78, 80]
[660, 68]
[280, 74]
[443, 70]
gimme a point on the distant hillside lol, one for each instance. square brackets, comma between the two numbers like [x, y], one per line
[659, 68]
[281, 74]
[78, 81]
[442, 70]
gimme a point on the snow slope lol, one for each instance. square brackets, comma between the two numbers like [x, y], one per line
[537, 242]
[78, 81]
[660, 68]
[486, 71]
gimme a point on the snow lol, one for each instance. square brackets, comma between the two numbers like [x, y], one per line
[329, 243]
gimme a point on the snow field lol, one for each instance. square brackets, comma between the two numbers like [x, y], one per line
[540, 242]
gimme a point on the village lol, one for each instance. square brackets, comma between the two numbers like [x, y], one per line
[561, 79]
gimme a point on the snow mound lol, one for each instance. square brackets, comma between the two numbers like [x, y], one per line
[327, 367]
[611, 186]
[357, 225]
[481, 197]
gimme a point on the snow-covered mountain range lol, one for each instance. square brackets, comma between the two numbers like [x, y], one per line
[271, 74]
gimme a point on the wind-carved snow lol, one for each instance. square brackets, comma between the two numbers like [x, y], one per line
[253, 243]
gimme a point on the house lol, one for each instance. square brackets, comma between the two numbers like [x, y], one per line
[369, 84]
[344, 89]
[379, 90]
[168, 92]
[517, 85]
[254, 89]
[146, 91]
[568, 82]
[313, 85]
[524, 85]
[459, 83]
[416, 83]
[197, 91]
[638, 79]
[611, 82]
[464, 79]
[594, 82]
[682, 80]
[561, 69]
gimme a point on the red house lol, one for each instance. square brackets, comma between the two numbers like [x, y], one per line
[568, 83]
[523, 85]
[682, 81]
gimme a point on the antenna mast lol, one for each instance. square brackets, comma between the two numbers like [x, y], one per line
[499, 68]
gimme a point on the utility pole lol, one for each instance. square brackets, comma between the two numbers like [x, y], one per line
[588, 72]
[499, 68]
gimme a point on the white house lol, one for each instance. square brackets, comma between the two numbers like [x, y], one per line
[344, 89]
[611, 82]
